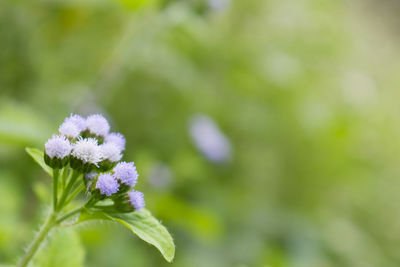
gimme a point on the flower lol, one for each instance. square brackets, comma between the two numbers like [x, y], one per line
[126, 173]
[87, 151]
[136, 199]
[79, 121]
[209, 139]
[117, 139]
[69, 129]
[97, 125]
[111, 152]
[107, 184]
[57, 146]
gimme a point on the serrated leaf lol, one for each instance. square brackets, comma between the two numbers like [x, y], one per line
[141, 223]
[37, 155]
[63, 250]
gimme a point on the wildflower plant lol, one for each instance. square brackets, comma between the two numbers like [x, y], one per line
[84, 161]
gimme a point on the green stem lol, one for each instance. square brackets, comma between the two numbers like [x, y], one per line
[64, 176]
[69, 214]
[44, 231]
[56, 173]
[70, 184]
[91, 201]
[74, 193]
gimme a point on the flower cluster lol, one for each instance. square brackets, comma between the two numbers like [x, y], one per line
[87, 146]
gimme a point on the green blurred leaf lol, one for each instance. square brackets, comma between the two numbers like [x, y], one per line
[64, 249]
[143, 224]
[21, 125]
[37, 155]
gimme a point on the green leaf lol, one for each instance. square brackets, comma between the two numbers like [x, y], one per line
[141, 223]
[64, 250]
[37, 155]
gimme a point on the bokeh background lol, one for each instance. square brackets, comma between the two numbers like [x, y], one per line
[266, 132]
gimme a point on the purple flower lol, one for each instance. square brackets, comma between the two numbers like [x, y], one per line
[87, 151]
[107, 184]
[117, 139]
[97, 125]
[209, 139]
[79, 121]
[136, 199]
[69, 129]
[57, 146]
[126, 173]
[111, 152]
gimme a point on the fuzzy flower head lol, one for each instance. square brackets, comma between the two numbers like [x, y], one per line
[87, 151]
[107, 184]
[57, 146]
[126, 173]
[97, 125]
[136, 199]
[111, 152]
[117, 139]
[79, 121]
[69, 130]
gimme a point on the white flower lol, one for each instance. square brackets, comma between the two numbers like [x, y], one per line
[79, 121]
[111, 152]
[117, 139]
[98, 125]
[57, 146]
[69, 129]
[87, 150]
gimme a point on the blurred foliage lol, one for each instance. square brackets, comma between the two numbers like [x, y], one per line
[306, 91]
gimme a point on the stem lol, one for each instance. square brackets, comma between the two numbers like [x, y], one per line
[64, 176]
[70, 184]
[69, 214]
[56, 173]
[91, 201]
[33, 247]
[74, 193]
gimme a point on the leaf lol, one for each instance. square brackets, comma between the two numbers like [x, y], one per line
[64, 250]
[37, 155]
[143, 224]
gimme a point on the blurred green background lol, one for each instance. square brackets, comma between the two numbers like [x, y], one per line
[303, 95]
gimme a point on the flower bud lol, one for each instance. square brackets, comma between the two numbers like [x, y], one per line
[116, 139]
[130, 201]
[85, 155]
[110, 155]
[97, 126]
[57, 150]
[126, 174]
[107, 185]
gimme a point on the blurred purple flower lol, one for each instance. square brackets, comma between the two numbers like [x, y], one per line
[209, 139]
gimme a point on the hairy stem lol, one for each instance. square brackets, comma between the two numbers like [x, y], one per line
[56, 173]
[40, 237]
[69, 214]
